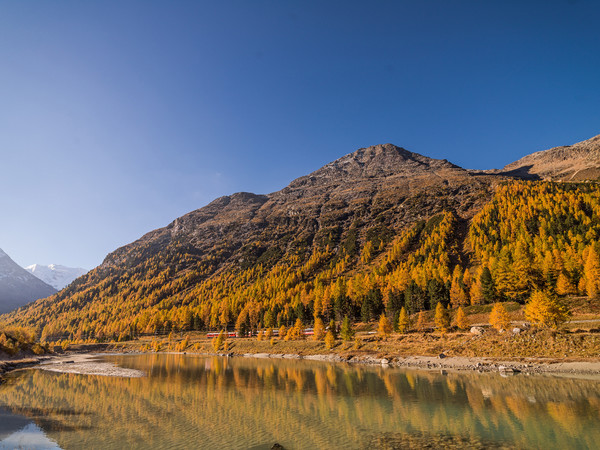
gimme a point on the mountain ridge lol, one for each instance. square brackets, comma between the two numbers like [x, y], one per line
[577, 162]
[17, 286]
[205, 268]
[381, 174]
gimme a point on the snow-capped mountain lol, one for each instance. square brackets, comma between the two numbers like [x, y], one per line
[56, 275]
[17, 286]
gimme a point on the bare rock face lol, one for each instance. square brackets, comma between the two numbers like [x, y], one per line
[575, 162]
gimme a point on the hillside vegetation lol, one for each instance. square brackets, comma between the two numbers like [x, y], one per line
[532, 236]
[15, 340]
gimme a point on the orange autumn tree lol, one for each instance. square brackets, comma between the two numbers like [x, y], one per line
[499, 317]
[544, 310]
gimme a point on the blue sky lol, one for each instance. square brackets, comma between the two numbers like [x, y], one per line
[116, 117]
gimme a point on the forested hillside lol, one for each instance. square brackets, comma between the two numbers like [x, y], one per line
[373, 232]
[539, 235]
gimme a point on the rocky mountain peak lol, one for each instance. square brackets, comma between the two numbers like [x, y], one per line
[56, 275]
[377, 161]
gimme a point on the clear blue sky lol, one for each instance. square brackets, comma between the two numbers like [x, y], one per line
[116, 117]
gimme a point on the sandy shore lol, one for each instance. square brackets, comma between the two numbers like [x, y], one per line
[91, 364]
[87, 364]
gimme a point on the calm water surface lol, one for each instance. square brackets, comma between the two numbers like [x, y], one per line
[219, 403]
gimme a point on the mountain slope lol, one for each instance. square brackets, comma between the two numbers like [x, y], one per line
[383, 183]
[577, 162]
[17, 286]
[56, 275]
[380, 228]
[204, 267]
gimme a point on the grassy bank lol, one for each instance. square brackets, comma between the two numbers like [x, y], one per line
[564, 345]
[577, 339]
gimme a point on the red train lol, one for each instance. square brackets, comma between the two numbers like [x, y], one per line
[233, 334]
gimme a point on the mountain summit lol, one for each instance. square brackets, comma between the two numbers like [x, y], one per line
[380, 161]
[56, 275]
[17, 286]
[382, 184]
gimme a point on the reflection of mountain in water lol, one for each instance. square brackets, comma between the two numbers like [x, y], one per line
[20, 432]
[10, 423]
[241, 403]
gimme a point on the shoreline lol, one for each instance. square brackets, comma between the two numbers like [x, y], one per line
[83, 363]
[526, 366]
[86, 363]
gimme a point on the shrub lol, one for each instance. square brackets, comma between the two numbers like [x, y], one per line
[421, 321]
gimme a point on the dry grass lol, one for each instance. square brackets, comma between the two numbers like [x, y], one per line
[530, 344]
[575, 340]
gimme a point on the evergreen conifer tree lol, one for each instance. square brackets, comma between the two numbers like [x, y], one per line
[346, 331]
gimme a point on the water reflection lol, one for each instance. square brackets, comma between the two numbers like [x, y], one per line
[199, 402]
[18, 431]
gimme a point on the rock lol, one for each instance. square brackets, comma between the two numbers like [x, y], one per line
[517, 330]
[478, 331]
[385, 362]
[507, 370]
[441, 356]
[277, 446]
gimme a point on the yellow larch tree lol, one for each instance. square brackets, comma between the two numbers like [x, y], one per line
[499, 317]
[564, 285]
[461, 319]
[591, 273]
[384, 327]
[318, 329]
[544, 310]
[403, 321]
[442, 318]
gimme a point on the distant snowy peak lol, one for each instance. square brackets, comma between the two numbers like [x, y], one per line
[18, 286]
[56, 275]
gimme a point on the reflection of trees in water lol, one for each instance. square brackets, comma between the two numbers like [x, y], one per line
[219, 402]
